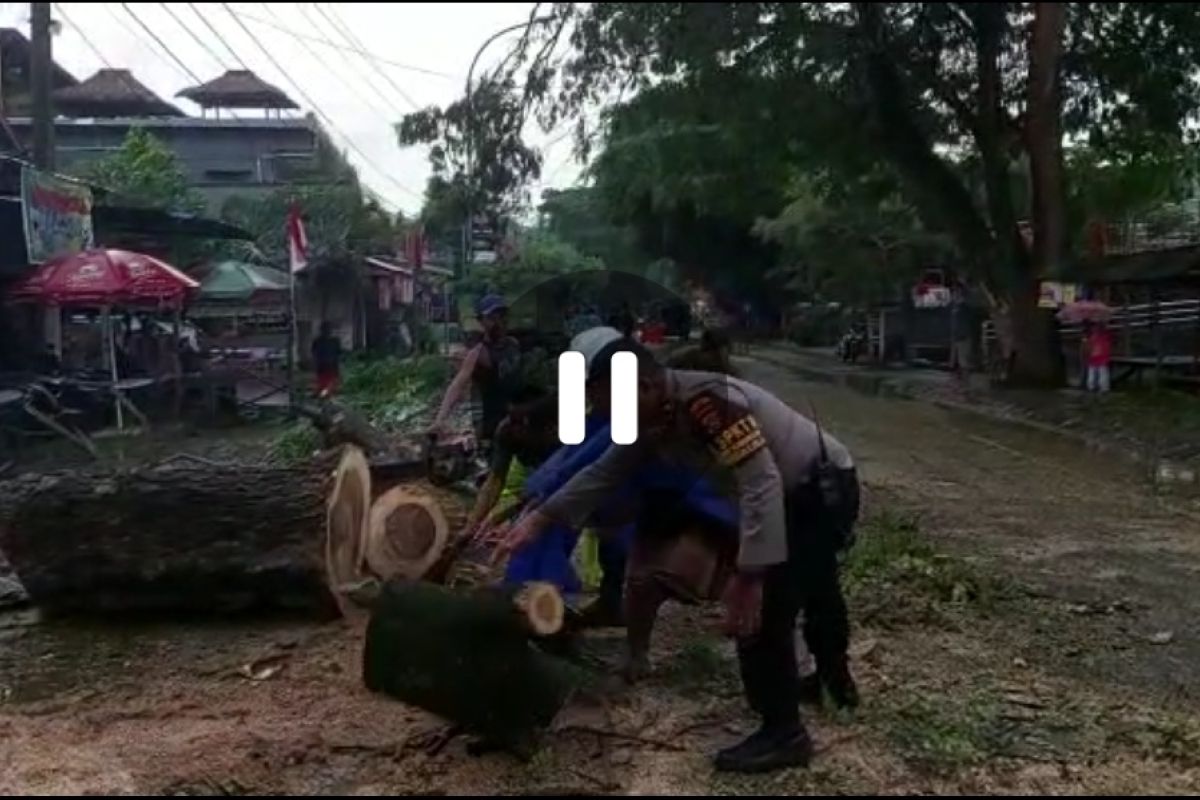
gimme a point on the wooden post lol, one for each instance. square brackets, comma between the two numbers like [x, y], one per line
[1157, 328]
[175, 339]
[1127, 328]
[883, 336]
[110, 334]
[1196, 343]
[40, 60]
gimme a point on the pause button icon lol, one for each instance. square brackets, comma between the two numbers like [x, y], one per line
[572, 397]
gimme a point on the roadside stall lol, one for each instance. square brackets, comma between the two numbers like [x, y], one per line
[242, 310]
[110, 287]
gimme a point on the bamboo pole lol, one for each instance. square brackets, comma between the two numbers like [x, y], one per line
[111, 335]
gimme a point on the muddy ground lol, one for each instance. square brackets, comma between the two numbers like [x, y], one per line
[1026, 615]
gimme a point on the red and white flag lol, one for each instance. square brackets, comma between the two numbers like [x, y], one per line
[297, 240]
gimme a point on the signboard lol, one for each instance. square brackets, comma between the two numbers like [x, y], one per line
[1055, 295]
[57, 214]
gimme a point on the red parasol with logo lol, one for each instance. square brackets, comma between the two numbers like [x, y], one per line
[103, 277]
[107, 278]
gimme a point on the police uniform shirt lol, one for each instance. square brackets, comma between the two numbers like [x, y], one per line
[767, 446]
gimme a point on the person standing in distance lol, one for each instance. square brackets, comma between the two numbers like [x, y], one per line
[797, 492]
[327, 360]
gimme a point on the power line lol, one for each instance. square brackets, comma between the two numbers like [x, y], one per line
[321, 60]
[159, 41]
[388, 102]
[178, 21]
[340, 26]
[316, 108]
[141, 41]
[62, 13]
[217, 35]
[337, 46]
[170, 52]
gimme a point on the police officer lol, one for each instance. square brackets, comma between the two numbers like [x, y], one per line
[798, 500]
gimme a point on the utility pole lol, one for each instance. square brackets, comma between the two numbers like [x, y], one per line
[40, 61]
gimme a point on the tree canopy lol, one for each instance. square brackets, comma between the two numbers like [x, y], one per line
[977, 111]
[476, 150]
[144, 173]
[342, 228]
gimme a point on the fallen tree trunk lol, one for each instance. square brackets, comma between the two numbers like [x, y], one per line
[340, 424]
[412, 529]
[191, 535]
[466, 656]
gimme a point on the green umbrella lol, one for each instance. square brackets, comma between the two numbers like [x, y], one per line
[239, 281]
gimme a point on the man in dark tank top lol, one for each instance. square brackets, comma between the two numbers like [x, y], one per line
[491, 370]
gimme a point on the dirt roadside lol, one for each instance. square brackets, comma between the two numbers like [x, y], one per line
[1026, 621]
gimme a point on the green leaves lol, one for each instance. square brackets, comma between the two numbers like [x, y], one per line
[476, 144]
[144, 173]
[540, 257]
[341, 225]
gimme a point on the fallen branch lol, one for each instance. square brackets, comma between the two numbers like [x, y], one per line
[621, 736]
[695, 726]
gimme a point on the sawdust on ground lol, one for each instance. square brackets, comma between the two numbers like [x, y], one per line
[1047, 646]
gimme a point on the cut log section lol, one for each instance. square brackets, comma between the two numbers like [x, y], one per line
[541, 607]
[466, 656]
[346, 521]
[190, 535]
[406, 534]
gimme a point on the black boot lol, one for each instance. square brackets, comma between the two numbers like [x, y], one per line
[767, 749]
[605, 612]
[811, 691]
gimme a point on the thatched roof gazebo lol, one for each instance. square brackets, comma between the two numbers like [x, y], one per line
[112, 93]
[14, 67]
[238, 88]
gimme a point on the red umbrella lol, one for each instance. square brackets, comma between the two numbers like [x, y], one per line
[1085, 311]
[102, 277]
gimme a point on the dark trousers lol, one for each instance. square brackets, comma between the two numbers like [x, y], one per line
[612, 554]
[808, 581]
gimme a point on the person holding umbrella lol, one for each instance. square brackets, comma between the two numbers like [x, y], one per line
[1098, 343]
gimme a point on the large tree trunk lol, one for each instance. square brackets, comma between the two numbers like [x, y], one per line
[1034, 358]
[190, 535]
[1044, 138]
[1037, 359]
[466, 656]
[990, 243]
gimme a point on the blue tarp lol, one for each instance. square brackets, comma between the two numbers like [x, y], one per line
[549, 557]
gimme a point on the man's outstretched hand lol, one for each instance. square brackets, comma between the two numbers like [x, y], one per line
[743, 598]
[519, 533]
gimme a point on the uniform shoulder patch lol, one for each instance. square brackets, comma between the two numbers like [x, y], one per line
[727, 427]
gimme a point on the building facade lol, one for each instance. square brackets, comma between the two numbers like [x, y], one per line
[221, 157]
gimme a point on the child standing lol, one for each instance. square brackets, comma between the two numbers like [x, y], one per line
[1099, 357]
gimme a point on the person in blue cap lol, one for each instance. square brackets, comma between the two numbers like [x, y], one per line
[491, 368]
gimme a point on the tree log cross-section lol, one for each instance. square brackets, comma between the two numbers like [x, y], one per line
[190, 536]
[406, 534]
[467, 656]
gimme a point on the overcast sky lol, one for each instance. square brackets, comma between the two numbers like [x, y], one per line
[435, 43]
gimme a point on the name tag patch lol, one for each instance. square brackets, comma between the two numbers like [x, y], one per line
[731, 432]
